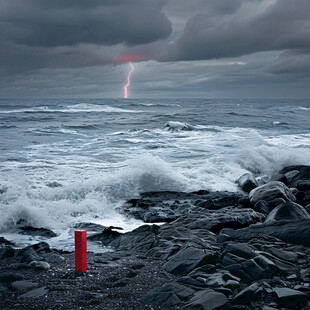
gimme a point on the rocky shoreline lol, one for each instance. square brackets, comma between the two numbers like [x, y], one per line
[199, 250]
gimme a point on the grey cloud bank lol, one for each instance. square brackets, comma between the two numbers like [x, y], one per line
[194, 48]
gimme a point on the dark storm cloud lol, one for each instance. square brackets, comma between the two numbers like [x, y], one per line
[213, 47]
[47, 23]
[292, 62]
[285, 24]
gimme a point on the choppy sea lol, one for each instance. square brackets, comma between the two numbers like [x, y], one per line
[69, 161]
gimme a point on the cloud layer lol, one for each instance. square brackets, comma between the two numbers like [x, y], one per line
[41, 35]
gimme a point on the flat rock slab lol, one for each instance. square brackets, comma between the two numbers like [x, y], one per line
[168, 295]
[295, 232]
[206, 300]
[290, 297]
[38, 292]
[189, 258]
[24, 285]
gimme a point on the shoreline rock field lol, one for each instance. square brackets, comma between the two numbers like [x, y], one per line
[202, 250]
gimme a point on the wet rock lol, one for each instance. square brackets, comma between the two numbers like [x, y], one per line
[216, 220]
[54, 258]
[247, 182]
[210, 278]
[94, 227]
[3, 241]
[282, 254]
[305, 274]
[168, 206]
[287, 211]
[23, 285]
[278, 177]
[28, 255]
[39, 265]
[245, 202]
[303, 185]
[262, 206]
[291, 175]
[276, 202]
[168, 295]
[188, 259]
[247, 295]
[34, 231]
[141, 239]
[106, 237]
[295, 232]
[290, 297]
[206, 300]
[271, 191]
[35, 293]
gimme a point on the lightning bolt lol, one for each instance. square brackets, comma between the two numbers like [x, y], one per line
[126, 87]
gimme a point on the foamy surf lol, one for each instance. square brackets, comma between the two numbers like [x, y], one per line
[65, 166]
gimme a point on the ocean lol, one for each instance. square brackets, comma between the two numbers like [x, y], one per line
[77, 160]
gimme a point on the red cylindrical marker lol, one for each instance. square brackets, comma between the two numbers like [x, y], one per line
[80, 251]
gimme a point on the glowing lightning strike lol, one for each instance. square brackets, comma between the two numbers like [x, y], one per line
[128, 80]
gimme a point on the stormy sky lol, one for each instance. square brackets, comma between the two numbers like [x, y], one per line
[180, 48]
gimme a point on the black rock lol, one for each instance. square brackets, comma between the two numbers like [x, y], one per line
[189, 258]
[34, 231]
[296, 173]
[303, 185]
[30, 253]
[295, 232]
[247, 295]
[271, 191]
[3, 241]
[287, 211]
[23, 285]
[290, 297]
[38, 292]
[262, 206]
[207, 300]
[216, 220]
[107, 236]
[247, 182]
[168, 295]
[94, 227]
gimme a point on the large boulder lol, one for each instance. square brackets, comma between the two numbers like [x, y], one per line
[296, 173]
[290, 297]
[243, 261]
[295, 232]
[167, 296]
[189, 258]
[216, 220]
[247, 182]
[270, 192]
[207, 300]
[141, 239]
[287, 211]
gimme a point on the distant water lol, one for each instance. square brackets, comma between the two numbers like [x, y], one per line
[68, 161]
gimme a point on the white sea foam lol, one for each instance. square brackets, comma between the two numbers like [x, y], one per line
[76, 108]
[92, 190]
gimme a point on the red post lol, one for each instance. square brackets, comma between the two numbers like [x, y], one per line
[80, 251]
